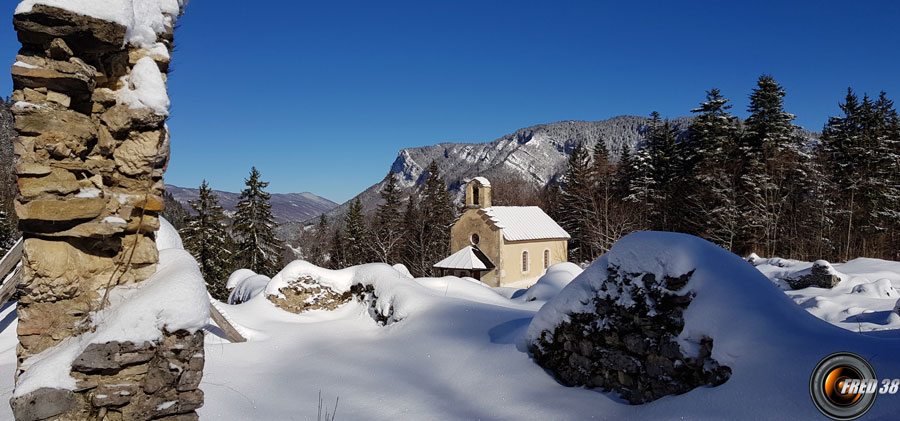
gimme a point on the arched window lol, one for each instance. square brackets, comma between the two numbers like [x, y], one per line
[546, 258]
[475, 190]
[525, 261]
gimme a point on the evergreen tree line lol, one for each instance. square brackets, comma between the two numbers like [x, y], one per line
[415, 233]
[9, 232]
[249, 242]
[752, 186]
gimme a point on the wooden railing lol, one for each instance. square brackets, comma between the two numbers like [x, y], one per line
[10, 272]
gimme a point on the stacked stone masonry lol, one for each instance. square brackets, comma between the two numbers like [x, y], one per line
[90, 179]
[633, 349]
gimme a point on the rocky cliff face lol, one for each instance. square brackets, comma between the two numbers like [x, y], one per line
[535, 154]
[90, 111]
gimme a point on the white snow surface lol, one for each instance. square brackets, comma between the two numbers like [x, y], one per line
[167, 237]
[465, 258]
[521, 223]
[770, 343]
[864, 300]
[237, 277]
[460, 352]
[143, 19]
[144, 87]
[549, 285]
[174, 298]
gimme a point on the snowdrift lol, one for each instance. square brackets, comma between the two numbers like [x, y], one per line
[863, 301]
[770, 343]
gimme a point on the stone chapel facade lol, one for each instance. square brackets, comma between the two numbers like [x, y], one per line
[502, 245]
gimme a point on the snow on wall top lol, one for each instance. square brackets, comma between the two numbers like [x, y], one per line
[139, 312]
[142, 18]
[521, 223]
[483, 181]
[465, 258]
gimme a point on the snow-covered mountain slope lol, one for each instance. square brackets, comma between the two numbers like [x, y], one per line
[536, 154]
[285, 207]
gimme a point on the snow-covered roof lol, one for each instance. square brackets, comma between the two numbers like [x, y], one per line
[469, 257]
[483, 181]
[522, 223]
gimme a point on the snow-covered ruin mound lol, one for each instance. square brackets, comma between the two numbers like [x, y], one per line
[862, 297]
[663, 313]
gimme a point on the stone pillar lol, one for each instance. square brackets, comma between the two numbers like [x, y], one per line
[92, 150]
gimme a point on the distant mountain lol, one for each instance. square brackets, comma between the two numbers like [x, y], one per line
[288, 207]
[537, 154]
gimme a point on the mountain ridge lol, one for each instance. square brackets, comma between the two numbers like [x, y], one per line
[286, 207]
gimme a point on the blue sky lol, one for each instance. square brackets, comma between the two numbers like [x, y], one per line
[320, 96]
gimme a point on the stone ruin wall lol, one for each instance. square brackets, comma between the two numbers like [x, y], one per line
[633, 349]
[90, 183]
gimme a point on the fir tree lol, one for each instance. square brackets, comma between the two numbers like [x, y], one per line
[438, 214]
[576, 200]
[356, 235]
[204, 236]
[861, 153]
[174, 212]
[319, 243]
[386, 226]
[8, 231]
[667, 164]
[414, 240]
[607, 222]
[257, 247]
[638, 177]
[336, 258]
[770, 151]
[712, 202]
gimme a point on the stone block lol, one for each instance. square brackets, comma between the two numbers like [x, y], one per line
[140, 153]
[42, 404]
[113, 356]
[61, 210]
[81, 33]
[58, 181]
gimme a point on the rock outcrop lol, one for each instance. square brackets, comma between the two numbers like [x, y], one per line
[90, 112]
[821, 275]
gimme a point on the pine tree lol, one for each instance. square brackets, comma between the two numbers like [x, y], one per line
[414, 240]
[861, 153]
[356, 235]
[336, 258]
[770, 151]
[712, 201]
[386, 226]
[318, 249]
[257, 247]
[602, 224]
[174, 212]
[8, 232]
[204, 236]
[438, 214]
[577, 206]
[641, 186]
[666, 170]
